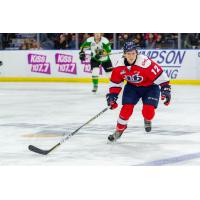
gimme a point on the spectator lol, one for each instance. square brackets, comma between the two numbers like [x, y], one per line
[46, 41]
[170, 40]
[83, 37]
[191, 41]
[122, 38]
[150, 39]
[23, 47]
[139, 40]
[159, 41]
[26, 45]
[72, 42]
[61, 42]
[35, 45]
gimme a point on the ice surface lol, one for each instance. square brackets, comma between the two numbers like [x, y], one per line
[40, 113]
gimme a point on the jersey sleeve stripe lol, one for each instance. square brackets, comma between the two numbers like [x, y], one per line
[118, 85]
[162, 78]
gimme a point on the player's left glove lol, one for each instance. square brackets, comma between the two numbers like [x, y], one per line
[166, 94]
[1, 63]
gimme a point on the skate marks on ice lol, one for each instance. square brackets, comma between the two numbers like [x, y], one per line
[43, 130]
[45, 133]
[59, 130]
[89, 145]
[135, 140]
[62, 129]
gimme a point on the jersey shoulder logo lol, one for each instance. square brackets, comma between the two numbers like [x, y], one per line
[136, 78]
[123, 72]
[143, 61]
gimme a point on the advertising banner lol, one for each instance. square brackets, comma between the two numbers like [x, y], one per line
[178, 64]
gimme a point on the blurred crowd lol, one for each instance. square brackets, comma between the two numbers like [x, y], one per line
[149, 40]
[38, 41]
[46, 41]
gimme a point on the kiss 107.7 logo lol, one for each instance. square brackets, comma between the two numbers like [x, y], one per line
[87, 66]
[39, 63]
[65, 63]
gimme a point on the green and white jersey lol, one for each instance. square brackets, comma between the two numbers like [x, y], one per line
[97, 48]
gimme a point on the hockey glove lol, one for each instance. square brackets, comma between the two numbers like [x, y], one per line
[82, 55]
[166, 94]
[1, 63]
[104, 54]
[99, 53]
[97, 56]
[112, 100]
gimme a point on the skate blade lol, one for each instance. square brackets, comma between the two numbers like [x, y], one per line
[111, 142]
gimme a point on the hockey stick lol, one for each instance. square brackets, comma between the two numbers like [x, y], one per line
[45, 152]
[109, 54]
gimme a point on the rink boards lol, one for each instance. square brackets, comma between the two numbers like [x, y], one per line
[181, 66]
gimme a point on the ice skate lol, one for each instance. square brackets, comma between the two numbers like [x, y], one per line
[115, 136]
[147, 125]
[94, 90]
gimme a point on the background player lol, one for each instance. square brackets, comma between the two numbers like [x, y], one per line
[145, 80]
[100, 49]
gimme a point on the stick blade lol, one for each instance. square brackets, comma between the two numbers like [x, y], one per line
[37, 150]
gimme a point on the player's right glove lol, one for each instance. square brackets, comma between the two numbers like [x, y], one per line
[166, 94]
[97, 56]
[99, 53]
[1, 63]
[82, 55]
[112, 100]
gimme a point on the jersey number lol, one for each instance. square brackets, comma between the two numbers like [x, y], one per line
[155, 69]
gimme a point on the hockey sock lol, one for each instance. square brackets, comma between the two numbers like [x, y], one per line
[95, 77]
[125, 113]
[148, 112]
[95, 81]
[120, 127]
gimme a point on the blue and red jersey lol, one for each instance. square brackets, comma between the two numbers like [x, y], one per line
[143, 72]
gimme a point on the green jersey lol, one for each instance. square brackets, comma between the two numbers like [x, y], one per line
[97, 48]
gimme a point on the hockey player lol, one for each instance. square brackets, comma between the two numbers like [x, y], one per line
[145, 80]
[100, 49]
